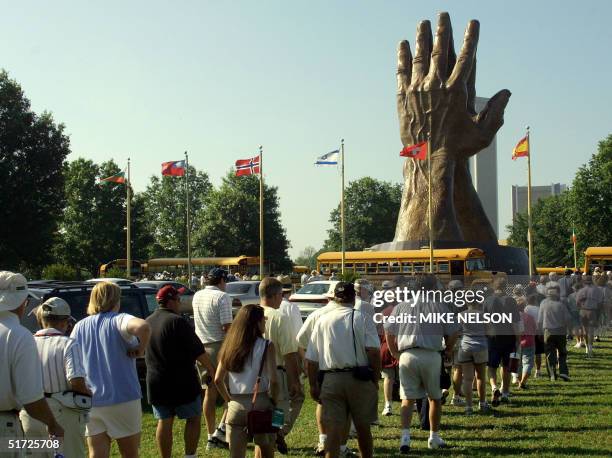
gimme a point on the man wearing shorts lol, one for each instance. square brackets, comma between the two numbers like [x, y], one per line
[590, 300]
[173, 385]
[417, 346]
[212, 312]
[504, 339]
[344, 342]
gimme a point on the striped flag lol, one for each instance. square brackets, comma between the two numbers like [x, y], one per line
[173, 168]
[521, 149]
[330, 158]
[116, 178]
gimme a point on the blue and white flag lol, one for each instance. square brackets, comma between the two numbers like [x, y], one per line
[329, 158]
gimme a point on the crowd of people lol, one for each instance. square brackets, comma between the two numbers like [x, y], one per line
[86, 385]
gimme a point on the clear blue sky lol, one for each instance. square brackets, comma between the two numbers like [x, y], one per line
[150, 79]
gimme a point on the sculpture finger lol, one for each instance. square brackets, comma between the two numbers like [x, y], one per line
[452, 57]
[422, 52]
[491, 118]
[471, 90]
[439, 54]
[464, 64]
[404, 67]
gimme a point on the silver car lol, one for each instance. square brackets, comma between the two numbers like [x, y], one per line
[243, 293]
[313, 296]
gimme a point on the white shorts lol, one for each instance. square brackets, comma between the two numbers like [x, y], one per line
[118, 420]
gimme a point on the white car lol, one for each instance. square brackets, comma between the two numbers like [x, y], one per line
[313, 296]
[243, 292]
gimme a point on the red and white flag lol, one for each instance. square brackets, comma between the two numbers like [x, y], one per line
[418, 151]
[247, 166]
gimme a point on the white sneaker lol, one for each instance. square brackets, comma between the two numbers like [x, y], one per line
[387, 411]
[220, 435]
[436, 442]
[578, 345]
[514, 378]
[405, 445]
[457, 401]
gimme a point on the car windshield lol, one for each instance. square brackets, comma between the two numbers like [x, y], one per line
[237, 288]
[146, 285]
[151, 302]
[314, 288]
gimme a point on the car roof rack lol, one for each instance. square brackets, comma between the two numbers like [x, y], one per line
[57, 285]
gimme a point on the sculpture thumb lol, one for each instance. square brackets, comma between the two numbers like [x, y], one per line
[491, 118]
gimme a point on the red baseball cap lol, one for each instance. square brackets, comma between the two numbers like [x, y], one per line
[168, 292]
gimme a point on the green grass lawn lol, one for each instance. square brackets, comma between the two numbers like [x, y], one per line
[549, 419]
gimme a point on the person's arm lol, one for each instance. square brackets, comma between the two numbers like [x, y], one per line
[375, 362]
[392, 345]
[39, 410]
[292, 366]
[139, 328]
[225, 312]
[271, 369]
[205, 361]
[313, 379]
[78, 385]
[220, 377]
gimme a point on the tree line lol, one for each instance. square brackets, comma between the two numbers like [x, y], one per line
[586, 207]
[56, 211]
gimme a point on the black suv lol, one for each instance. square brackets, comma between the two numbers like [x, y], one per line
[136, 301]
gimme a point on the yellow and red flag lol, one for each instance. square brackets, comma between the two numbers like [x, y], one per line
[521, 149]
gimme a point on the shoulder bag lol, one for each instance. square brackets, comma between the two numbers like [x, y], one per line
[260, 421]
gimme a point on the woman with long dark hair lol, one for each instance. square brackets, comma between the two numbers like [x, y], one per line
[243, 352]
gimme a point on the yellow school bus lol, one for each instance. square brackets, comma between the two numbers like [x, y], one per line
[242, 264]
[600, 256]
[547, 270]
[468, 263]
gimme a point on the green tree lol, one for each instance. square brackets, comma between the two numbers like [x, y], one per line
[229, 224]
[308, 257]
[165, 204]
[33, 149]
[94, 223]
[591, 199]
[371, 209]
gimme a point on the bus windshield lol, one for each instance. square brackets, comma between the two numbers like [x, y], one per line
[475, 264]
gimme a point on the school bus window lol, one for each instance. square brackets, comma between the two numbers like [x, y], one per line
[475, 264]
[395, 267]
[371, 268]
[336, 267]
[324, 268]
[443, 267]
[360, 267]
[456, 267]
[383, 267]
[419, 267]
[348, 266]
[406, 267]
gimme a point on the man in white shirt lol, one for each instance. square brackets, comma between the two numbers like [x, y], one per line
[344, 348]
[19, 362]
[212, 313]
[63, 376]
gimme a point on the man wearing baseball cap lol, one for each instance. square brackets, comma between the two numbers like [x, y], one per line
[345, 348]
[173, 384]
[212, 312]
[63, 374]
[19, 361]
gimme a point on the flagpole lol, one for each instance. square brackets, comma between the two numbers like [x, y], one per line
[129, 230]
[575, 254]
[529, 231]
[429, 205]
[261, 215]
[342, 230]
[187, 219]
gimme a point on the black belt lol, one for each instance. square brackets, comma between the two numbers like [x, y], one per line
[281, 368]
[9, 412]
[332, 371]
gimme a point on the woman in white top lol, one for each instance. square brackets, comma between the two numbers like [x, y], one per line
[239, 361]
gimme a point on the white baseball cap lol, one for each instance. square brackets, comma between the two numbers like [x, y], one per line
[55, 306]
[13, 290]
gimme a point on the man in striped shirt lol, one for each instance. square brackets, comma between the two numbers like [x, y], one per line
[212, 313]
[63, 371]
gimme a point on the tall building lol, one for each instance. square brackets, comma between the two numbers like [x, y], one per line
[483, 168]
[519, 195]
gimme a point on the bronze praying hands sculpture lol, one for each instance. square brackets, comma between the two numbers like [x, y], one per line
[435, 97]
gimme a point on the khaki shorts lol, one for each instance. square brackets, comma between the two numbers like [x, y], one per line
[389, 373]
[419, 371]
[343, 395]
[475, 357]
[236, 420]
[10, 428]
[71, 420]
[118, 421]
[212, 350]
